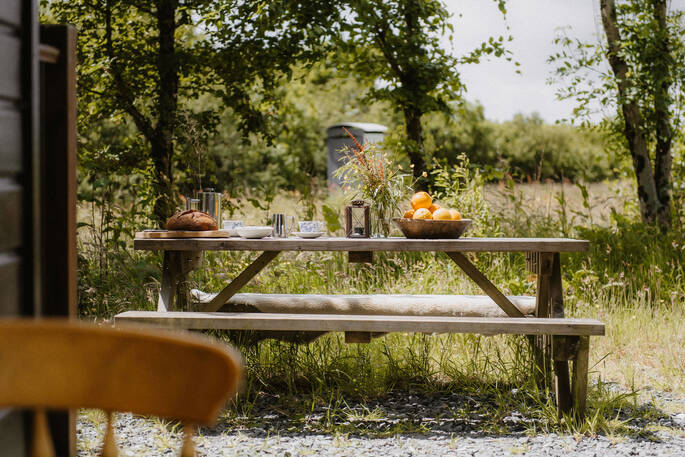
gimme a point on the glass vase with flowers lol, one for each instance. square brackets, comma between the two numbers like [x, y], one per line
[369, 174]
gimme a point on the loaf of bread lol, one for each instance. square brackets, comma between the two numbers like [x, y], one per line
[192, 220]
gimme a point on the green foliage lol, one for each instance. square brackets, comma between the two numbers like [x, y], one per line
[580, 66]
[294, 156]
[398, 42]
[395, 48]
[461, 186]
[464, 131]
[679, 183]
[294, 159]
[139, 62]
[632, 261]
[528, 148]
[332, 219]
[146, 63]
[524, 147]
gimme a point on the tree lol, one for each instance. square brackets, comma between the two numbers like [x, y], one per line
[131, 65]
[645, 50]
[145, 61]
[395, 46]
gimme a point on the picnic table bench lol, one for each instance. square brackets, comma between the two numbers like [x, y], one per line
[556, 340]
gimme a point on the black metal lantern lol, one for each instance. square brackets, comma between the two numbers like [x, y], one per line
[357, 220]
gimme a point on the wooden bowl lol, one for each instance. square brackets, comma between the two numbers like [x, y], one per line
[431, 229]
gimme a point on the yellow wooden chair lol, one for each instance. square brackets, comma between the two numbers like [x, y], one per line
[50, 364]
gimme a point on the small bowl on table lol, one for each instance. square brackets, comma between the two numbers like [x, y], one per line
[430, 229]
[254, 232]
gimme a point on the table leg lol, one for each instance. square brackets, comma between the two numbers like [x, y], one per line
[175, 269]
[190, 260]
[171, 271]
[561, 377]
[542, 349]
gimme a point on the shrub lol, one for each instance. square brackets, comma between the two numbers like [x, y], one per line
[525, 147]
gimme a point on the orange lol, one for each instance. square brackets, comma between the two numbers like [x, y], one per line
[442, 214]
[408, 214]
[455, 215]
[421, 200]
[422, 213]
[434, 207]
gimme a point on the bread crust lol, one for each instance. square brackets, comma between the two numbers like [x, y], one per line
[192, 220]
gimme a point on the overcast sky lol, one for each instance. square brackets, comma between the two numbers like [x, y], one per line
[533, 24]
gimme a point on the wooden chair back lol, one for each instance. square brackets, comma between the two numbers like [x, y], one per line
[50, 364]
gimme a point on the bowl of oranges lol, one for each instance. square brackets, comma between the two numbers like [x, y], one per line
[429, 220]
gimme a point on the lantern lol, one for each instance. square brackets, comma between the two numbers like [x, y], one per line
[357, 220]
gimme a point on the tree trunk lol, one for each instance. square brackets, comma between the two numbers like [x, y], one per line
[415, 151]
[162, 141]
[161, 151]
[412, 114]
[664, 134]
[650, 204]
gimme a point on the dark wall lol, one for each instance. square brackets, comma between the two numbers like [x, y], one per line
[11, 156]
[19, 263]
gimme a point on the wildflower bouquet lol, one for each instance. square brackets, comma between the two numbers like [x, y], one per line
[368, 173]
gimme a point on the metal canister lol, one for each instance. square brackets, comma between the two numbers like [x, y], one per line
[210, 203]
[281, 225]
[193, 203]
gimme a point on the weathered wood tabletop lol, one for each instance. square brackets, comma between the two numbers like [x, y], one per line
[365, 244]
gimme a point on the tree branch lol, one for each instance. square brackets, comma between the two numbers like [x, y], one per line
[385, 48]
[123, 91]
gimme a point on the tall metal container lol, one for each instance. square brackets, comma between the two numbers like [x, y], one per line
[336, 139]
[210, 203]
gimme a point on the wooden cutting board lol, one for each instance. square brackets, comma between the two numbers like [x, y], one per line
[163, 234]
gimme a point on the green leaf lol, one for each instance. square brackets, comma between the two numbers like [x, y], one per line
[331, 217]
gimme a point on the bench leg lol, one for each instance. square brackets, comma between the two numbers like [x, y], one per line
[580, 377]
[562, 388]
[562, 383]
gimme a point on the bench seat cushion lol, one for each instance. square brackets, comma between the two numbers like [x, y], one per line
[394, 304]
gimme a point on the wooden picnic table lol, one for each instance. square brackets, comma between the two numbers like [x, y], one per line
[556, 340]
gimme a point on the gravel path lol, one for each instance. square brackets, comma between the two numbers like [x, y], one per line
[399, 425]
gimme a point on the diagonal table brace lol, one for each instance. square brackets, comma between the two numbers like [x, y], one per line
[243, 278]
[484, 283]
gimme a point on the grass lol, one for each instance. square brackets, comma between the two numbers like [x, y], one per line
[632, 280]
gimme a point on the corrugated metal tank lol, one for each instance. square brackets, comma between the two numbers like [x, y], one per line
[337, 139]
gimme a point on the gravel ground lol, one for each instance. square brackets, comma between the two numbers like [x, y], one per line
[398, 425]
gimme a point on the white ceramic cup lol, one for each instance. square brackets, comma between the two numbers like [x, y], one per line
[311, 226]
[231, 226]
